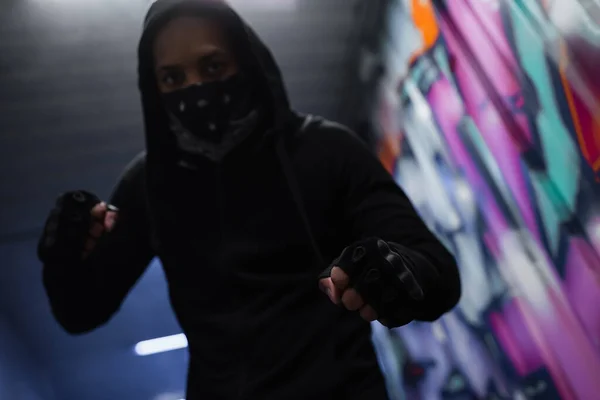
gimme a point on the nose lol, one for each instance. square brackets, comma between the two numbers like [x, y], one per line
[193, 78]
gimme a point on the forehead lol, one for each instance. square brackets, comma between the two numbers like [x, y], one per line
[189, 34]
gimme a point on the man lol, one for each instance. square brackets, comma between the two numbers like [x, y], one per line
[253, 211]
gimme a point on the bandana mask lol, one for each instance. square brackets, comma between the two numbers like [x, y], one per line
[210, 119]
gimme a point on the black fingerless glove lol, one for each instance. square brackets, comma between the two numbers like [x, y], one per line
[67, 228]
[385, 278]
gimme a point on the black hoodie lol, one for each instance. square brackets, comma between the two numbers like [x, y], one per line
[243, 240]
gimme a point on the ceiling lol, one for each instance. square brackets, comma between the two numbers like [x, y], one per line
[70, 118]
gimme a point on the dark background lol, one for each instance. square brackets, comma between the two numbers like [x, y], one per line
[70, 118]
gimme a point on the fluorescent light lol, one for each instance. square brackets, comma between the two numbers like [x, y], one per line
[170, 396]
[161, 344]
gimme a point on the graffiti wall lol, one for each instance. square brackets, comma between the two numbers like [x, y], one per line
[489, 118]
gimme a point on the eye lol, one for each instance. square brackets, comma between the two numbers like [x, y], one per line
[172, 78]
[213, 69]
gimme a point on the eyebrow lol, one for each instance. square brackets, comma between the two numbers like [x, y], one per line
[203, 58]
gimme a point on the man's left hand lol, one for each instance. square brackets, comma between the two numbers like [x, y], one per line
[375, 280]
[339, 292]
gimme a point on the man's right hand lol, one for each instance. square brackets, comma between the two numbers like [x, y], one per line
[74, 226]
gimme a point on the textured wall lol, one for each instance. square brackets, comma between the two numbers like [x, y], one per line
[489, 118]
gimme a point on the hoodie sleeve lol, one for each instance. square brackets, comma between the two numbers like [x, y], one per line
[85, 295]
[375, 206]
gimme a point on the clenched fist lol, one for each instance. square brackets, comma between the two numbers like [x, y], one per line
[74, 226]
[376, 279]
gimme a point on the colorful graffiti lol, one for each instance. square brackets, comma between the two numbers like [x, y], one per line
[490, 121]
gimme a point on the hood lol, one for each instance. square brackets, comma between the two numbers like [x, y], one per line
[255, 58]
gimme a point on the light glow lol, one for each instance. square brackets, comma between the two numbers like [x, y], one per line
[161, 345]
[260, 4]
[265, 4]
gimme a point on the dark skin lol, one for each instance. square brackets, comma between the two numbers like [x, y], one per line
[192, 50]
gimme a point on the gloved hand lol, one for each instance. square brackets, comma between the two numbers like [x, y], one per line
[73, 227]
[376, 280]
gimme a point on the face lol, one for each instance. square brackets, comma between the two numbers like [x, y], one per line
[189, 51]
